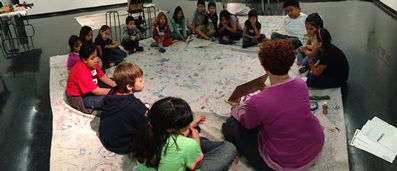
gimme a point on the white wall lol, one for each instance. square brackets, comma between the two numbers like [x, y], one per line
[169, 5]
[49, 6]
[391, 3]
[6, 2]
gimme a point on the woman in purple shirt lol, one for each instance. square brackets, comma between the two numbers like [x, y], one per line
[276, 129]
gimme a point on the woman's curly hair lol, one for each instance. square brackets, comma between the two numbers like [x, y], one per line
[277, 56]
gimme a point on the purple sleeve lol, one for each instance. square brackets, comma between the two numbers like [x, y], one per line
[72, 60]
[248, 117]
[238, 113]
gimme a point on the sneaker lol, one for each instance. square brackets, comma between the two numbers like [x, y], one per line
[190, 38]
[162, 50]
[154, 44]
[139, 49]
[303, 69]
[238, 42]
[131, 51]
[212, 38]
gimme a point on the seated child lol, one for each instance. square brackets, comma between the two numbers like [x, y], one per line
[87, 85]
[252, 30]
[171, 141]
[123, 114]
[74, 44]
[131, 36]
[210, 27]
[313, 22]
[108, 50]
[230, 29]
[294, 23]
[162, 32]
[86, 36]
[198, 17]
[178, 24]
[331, 68]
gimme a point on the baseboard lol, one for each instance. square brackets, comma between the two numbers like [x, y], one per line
[386, 9]
[53, 14]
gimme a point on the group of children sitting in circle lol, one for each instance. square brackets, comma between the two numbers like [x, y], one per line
[165, 137]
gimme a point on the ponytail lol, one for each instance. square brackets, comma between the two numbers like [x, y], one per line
[148, 145]
[167, 114]
[324, 37]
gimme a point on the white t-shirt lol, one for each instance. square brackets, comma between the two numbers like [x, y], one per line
[296, 27]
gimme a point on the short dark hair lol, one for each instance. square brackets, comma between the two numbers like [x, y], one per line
[277, 56]
[200, 2]
[72, 41]
[293, 3]
[211, 4]
[86, 50]
[124, 74]
[252, 13]
[128, 19]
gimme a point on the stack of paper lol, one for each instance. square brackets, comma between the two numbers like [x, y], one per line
[377, 137]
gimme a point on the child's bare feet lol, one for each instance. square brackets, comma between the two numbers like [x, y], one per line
[225, 38]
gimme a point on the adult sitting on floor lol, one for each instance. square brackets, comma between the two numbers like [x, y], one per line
[278, 119]
[332, 68]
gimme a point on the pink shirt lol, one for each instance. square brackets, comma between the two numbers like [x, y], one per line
[289, 135]
[72, 60]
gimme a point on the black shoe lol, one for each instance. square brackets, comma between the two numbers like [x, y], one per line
[139, 49]
[255, 41]
[131, 51]
[303, 69]
[247, 44]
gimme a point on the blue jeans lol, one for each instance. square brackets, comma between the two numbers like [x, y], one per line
[175, 36]
[217, 154]
[297, 43]
[246, 141]
[261, 37]
[303, 60]
[322, 81]
[232, 36]
[94, 101]
[117, 53]
[116, 56]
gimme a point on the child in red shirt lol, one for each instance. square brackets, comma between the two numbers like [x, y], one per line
[87, 84]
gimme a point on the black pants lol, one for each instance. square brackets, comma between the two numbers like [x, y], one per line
[246, 141]
[130, 44]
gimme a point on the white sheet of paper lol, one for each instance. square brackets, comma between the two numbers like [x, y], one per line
[362, 142]
[381, 132]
